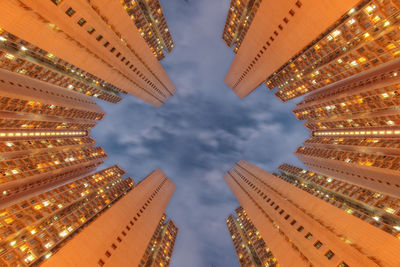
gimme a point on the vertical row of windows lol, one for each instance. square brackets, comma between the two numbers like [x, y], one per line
[329, 254]
[267, 43]
[82, 21]
[131, 223]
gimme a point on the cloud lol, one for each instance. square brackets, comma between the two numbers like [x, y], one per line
[200, 133]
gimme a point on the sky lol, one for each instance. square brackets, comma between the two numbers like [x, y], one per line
[200, 133]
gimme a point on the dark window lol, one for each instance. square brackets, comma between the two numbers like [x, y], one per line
[308, 236]
[293, 222]
[286, 20]
[99, 37]
[298, 4]
[112, 49]
[277, 207]
[81, 22]
[91, 30]
[343, 264]
[70, 11]
[119, 239]
[318, 244]
[123, 233]
[282, 211]
[329, 254]
[108, 254]
[114, 246]
[101, 262]
[56, 2]
[106, 44]
[291, 12]
[287, 217]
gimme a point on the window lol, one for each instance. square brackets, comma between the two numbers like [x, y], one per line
[108, 254]
[91, 30]
[343, 264]
[70, 12]
[119, 239]
[81, 22]
[293, 222]
[277, 207]
[99, 37]
[123, 233]
[318, 244]
[106, 44]
[291, 12]
[101, 262]
[329, 254]
[118, 54]
[114, 246]
[286, 20]
[287, 217]
[56, 2]
[308, 236]
[282, 211]
[112, 49]
[298, 4]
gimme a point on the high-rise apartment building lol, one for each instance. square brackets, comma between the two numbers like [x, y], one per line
[120, 235]
[37, 227]
[301, 229]
[161, 245]
[90, 47]
[43, 135]
[378, 209]
[248, 242]
[300, 46]
[151, 24]
[238, 21]
[355, 129]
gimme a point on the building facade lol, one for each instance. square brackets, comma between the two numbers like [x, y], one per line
[355, 129]
[43, 135]
[161, 245]
[296, 223]
[378, 209]
[249, 246]
[151, 24]
[345, 39]
[35, 228]
[95, 47]
[119, 236]
[238, 21]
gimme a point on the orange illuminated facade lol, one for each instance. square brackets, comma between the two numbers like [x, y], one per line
[247, 241]
[151, 24]
[120, 235]
[43, 136]
[279, 31]
[375, 208]
[238, 21]
[301, 228]
[355, 129]
[37, 227]
[90, 47]
[161, 245]
[363, 38]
